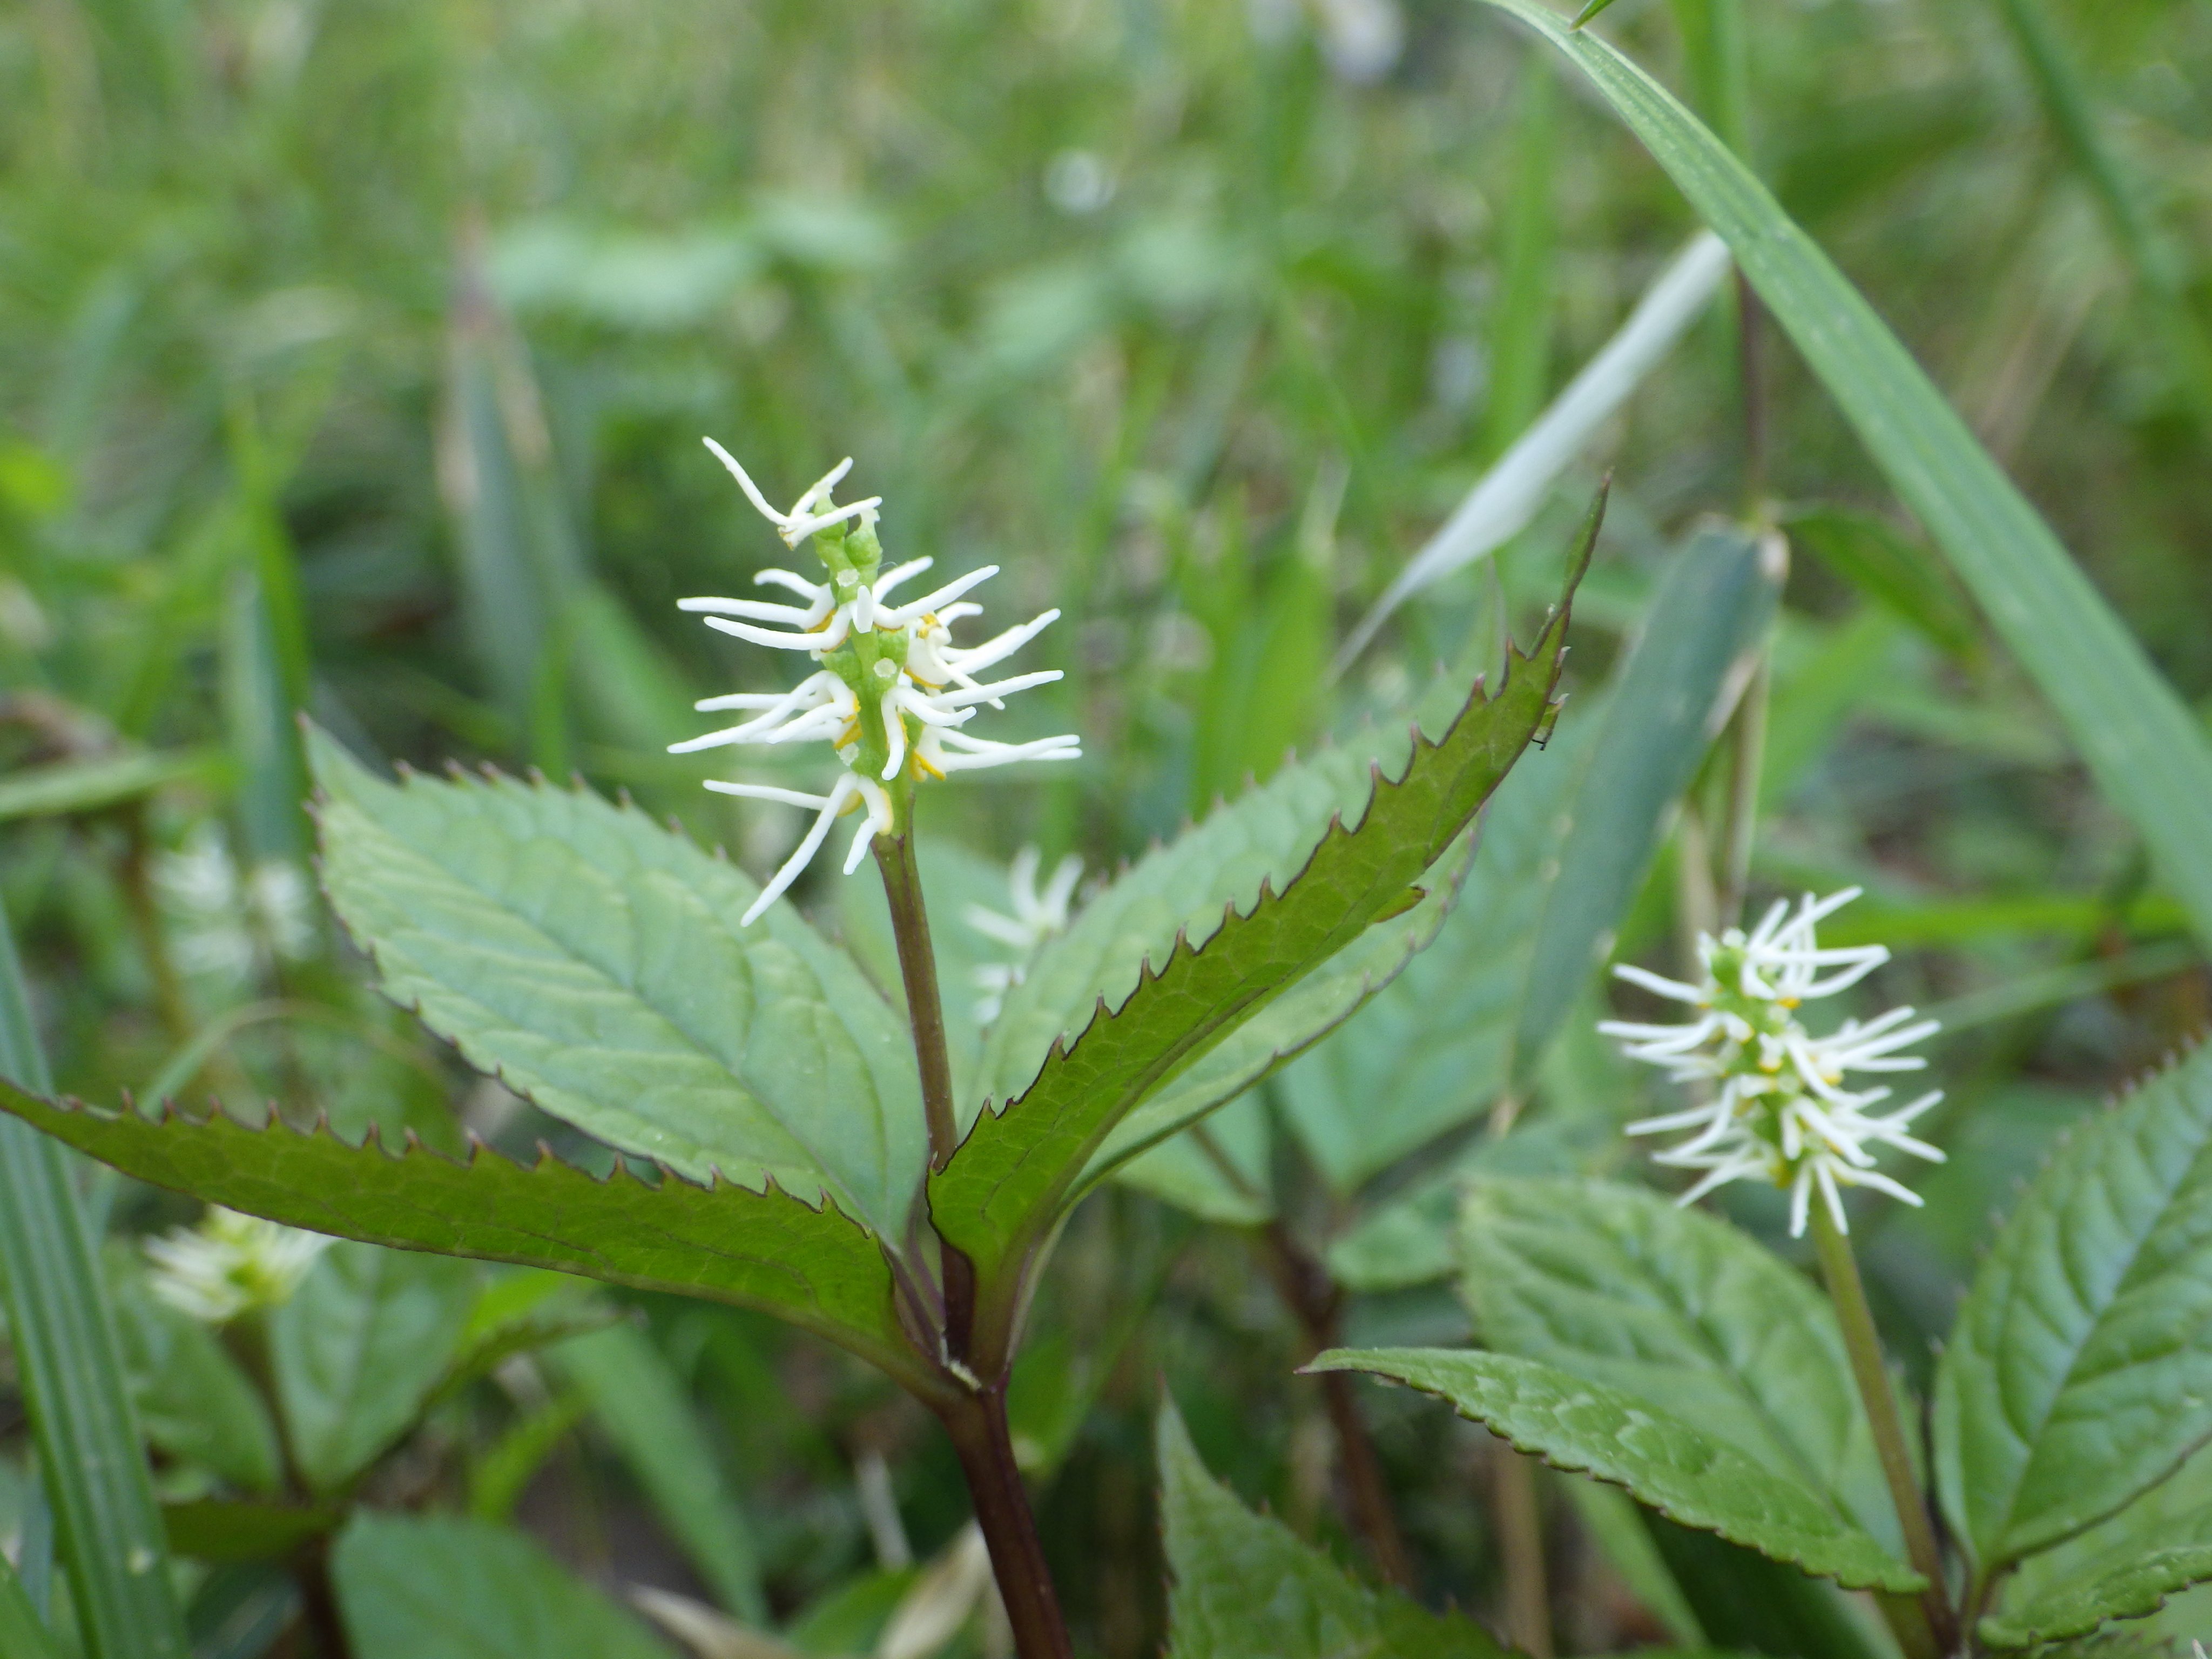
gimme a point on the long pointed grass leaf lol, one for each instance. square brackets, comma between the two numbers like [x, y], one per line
[2148, 752]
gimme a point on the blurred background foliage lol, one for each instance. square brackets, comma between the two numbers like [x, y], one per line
[353, 359]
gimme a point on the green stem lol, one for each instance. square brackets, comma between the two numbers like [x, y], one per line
[1840, 1269]
[974, 1414]
[1750, 751]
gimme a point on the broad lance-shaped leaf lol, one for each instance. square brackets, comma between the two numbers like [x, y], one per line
[593, 960]
[1002, 1191]
[2150, 755]
[2128, 1589]
[2079, 1372]
[358, 1348]
[1565, 848]
[1243, 1584]
[767, 1249]
[1622, 1286]
[1681, 1471]
[438, 1587]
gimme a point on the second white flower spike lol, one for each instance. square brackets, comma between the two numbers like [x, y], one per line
[1777, 1109]
[892, 691]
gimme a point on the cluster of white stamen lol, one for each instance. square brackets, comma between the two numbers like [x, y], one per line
[1777, 1108]
[1037, 916]
[230, 1264]
[893, 691]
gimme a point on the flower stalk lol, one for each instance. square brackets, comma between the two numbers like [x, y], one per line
[891, 694]
[1840, 1267]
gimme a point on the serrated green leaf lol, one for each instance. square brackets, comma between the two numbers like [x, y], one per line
[193, 1400]
[642, 1408]
[594, 961]
[1564, 847]
[2150, 755]
[2079, 1372]
[2175, 1513]
[2135, 1589]
[358, 1349]
[1244, 1584]
[999, 1196]
[1285, 1028]
[812, 1265]
[438, 1588]
[1680, 1471]
[1620, 1285]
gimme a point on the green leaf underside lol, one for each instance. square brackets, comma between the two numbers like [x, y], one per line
[2079, 1371]
[1565, 844]
[2135, 1589]
[1589, 1428]
[1244, 1584]
[440, 1588]
[593, 960]
[2150, 755]
[767, 1249]
[997, 1197]
[1624, 1287]
[358, 1348]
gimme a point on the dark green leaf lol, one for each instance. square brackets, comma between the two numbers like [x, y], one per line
[1619, 1286]
[1244, 1585]
[641, 1406]
[1004, 1189]
[2131, 1590]
[69, 1370]
[2149, 753]
[1663, 1461]
[444, 1588]
[1875, 557]
[814, 1266]
[214, 1529]
[594, 961]
[2079, 1372]
[357, 1350]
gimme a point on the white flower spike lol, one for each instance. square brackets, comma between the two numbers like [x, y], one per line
[1037, 916]
[230, 1264]
[890, 691]
[1779, 1110]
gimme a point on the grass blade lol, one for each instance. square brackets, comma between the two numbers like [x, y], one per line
[2148, 753]
[1507, 496]
[71, 1374]
[21, 1634]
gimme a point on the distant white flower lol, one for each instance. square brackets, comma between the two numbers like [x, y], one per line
[1037, 916]
[1778, 1110]
[229, 922]
[892, 690]
[230, 1264]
